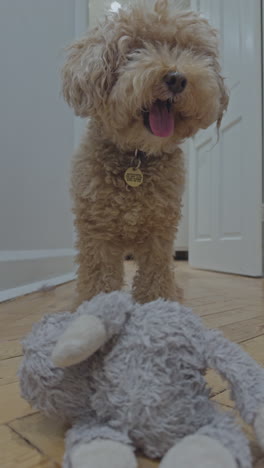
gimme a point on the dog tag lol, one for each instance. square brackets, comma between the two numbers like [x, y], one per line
[133, 177]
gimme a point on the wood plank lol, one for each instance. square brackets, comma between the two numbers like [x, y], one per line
[202, 300]
[12, 405]
[215, 381]
[10, 348]
[245, 330]
[43, 433]
[8, 370]
[217, 307]
[20, 327]
[19, 314]
[144, 463]
[16, 452]
[214, 308]
[223, 398]
[230, 316]
[255, 348]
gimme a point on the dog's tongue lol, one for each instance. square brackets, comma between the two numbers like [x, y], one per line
[161, 119]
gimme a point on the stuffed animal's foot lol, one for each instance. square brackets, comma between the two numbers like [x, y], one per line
[103, 454]
[259, 427]
[85, 335]
[198, 452]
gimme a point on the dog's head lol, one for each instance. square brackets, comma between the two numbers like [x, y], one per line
[148, 74]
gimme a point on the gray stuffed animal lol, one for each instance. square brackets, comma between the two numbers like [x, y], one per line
[129, 376]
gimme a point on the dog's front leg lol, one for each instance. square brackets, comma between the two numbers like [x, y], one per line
[100, 267]
[155, 275]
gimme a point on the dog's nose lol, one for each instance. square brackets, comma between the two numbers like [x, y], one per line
[176, 82]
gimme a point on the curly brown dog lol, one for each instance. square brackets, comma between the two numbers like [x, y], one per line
[148, 77]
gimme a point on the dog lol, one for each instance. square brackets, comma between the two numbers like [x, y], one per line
[148, 77]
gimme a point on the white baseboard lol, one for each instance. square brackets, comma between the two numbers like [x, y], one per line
[19, 255]
[21, 268]
[29, 288]
[181, 248]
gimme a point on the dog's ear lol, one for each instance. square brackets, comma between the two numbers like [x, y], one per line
[88, 73]
[161, 7]
[205, 40]
[224, 99]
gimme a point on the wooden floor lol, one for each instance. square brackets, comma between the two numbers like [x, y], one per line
[29, 440]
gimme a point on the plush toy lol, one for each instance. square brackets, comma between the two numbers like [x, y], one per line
[129, 376]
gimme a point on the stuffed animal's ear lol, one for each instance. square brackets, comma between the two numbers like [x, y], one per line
[82, 338]
[87, 75]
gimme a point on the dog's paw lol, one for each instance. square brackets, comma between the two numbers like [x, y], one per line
[83, 337]
[259, 427]
[103, 454]
[199, 452]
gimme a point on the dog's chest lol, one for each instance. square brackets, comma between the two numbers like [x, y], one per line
[130, 213]
[140, 210]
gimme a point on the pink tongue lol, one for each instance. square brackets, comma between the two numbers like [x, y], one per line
[161, 120]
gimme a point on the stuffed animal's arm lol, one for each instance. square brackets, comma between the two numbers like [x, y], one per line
[245, 376]
[93, 324]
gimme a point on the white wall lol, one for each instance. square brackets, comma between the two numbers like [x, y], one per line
[36, 144]
[98, 7]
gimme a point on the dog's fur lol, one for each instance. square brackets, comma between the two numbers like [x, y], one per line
[111, 76]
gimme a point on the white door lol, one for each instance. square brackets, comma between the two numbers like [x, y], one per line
[225, 178]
